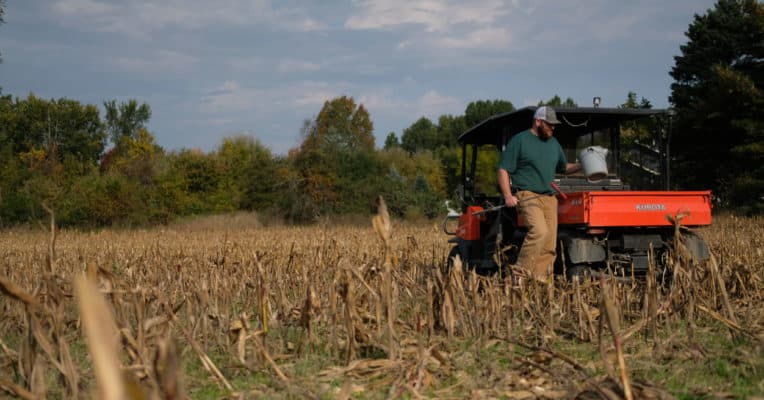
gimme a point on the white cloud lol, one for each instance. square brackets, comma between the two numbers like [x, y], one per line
[310, 25]
[432, 26]
[434, 15]
[159, 61]
[229, 97]
[433, 104]
[315, 98]
[82, 8]
[142, 18]
[495, 38]
[382, 102]
[299, 97]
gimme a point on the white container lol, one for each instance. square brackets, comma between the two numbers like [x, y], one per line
[594, 161]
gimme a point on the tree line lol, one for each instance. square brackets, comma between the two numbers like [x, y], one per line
[92, 170]
[56, 155]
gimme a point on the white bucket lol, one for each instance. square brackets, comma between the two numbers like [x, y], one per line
[594, 161]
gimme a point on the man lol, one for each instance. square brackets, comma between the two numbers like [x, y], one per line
[526, 169]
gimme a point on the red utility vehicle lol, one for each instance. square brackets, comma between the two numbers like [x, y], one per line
[610, 225]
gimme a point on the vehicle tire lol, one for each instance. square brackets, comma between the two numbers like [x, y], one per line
[579, 272]
[450, 260]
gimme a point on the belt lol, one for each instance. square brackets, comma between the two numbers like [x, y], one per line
[514, 191]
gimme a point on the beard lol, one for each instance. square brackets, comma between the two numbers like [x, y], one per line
[545, 133]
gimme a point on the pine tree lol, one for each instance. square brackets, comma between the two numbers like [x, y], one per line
[718, 138]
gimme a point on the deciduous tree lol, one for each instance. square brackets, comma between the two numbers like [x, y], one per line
[449, 129]
[477, 111]
[250, 167]
[2, 15]
[342, 131]
[421, 135]
[125, 119]
[640, 131]
[46, 145]
[556, 101]
[341, 125]
[391, 141]
[64, 126]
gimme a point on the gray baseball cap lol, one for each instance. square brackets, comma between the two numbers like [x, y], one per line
[547, 114]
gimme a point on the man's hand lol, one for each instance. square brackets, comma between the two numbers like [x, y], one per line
[511, 201]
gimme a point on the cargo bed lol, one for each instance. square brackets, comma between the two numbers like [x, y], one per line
[634, 208]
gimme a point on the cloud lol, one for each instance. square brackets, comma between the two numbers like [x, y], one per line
[84, 8]
[305, 99]
[159, 61]
[433, 15]
[143, 18]
[287, 66]
[431, 26]
[433, 104]
[315, 98]
[231, 97]
[274, 113]
[496, 38]
[310, 25]
[247, 64]
[381, 101]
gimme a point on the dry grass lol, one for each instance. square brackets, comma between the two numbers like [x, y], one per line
[232, 310]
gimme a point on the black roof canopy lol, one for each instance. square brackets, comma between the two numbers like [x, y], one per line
[574, 121]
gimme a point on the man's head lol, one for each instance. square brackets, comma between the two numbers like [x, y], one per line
[544, 121]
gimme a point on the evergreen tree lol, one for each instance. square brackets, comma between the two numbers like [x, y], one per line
[718, 138]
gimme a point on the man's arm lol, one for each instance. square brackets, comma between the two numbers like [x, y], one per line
[506, 190]
[571, 168]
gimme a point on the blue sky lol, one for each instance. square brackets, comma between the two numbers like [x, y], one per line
[213, 69]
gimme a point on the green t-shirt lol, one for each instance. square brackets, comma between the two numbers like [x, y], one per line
[532, 162]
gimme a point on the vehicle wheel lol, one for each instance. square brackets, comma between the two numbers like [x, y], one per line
[663, 273]
[450, 260]
[578, 273]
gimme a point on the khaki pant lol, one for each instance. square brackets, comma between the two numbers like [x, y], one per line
[539, 214]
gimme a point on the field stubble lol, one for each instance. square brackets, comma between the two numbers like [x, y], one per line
[244, 311]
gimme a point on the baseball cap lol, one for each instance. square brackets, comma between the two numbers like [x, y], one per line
[547, 114]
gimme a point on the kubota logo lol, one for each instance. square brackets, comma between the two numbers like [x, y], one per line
[651, 207]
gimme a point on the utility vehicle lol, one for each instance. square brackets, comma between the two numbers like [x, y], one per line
[605, 226]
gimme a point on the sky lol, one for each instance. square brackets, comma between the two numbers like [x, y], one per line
[216, 69]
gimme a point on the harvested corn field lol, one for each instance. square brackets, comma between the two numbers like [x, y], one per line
[238, 310]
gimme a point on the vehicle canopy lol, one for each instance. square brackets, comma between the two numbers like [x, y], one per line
[575, 122]
[579, 128]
